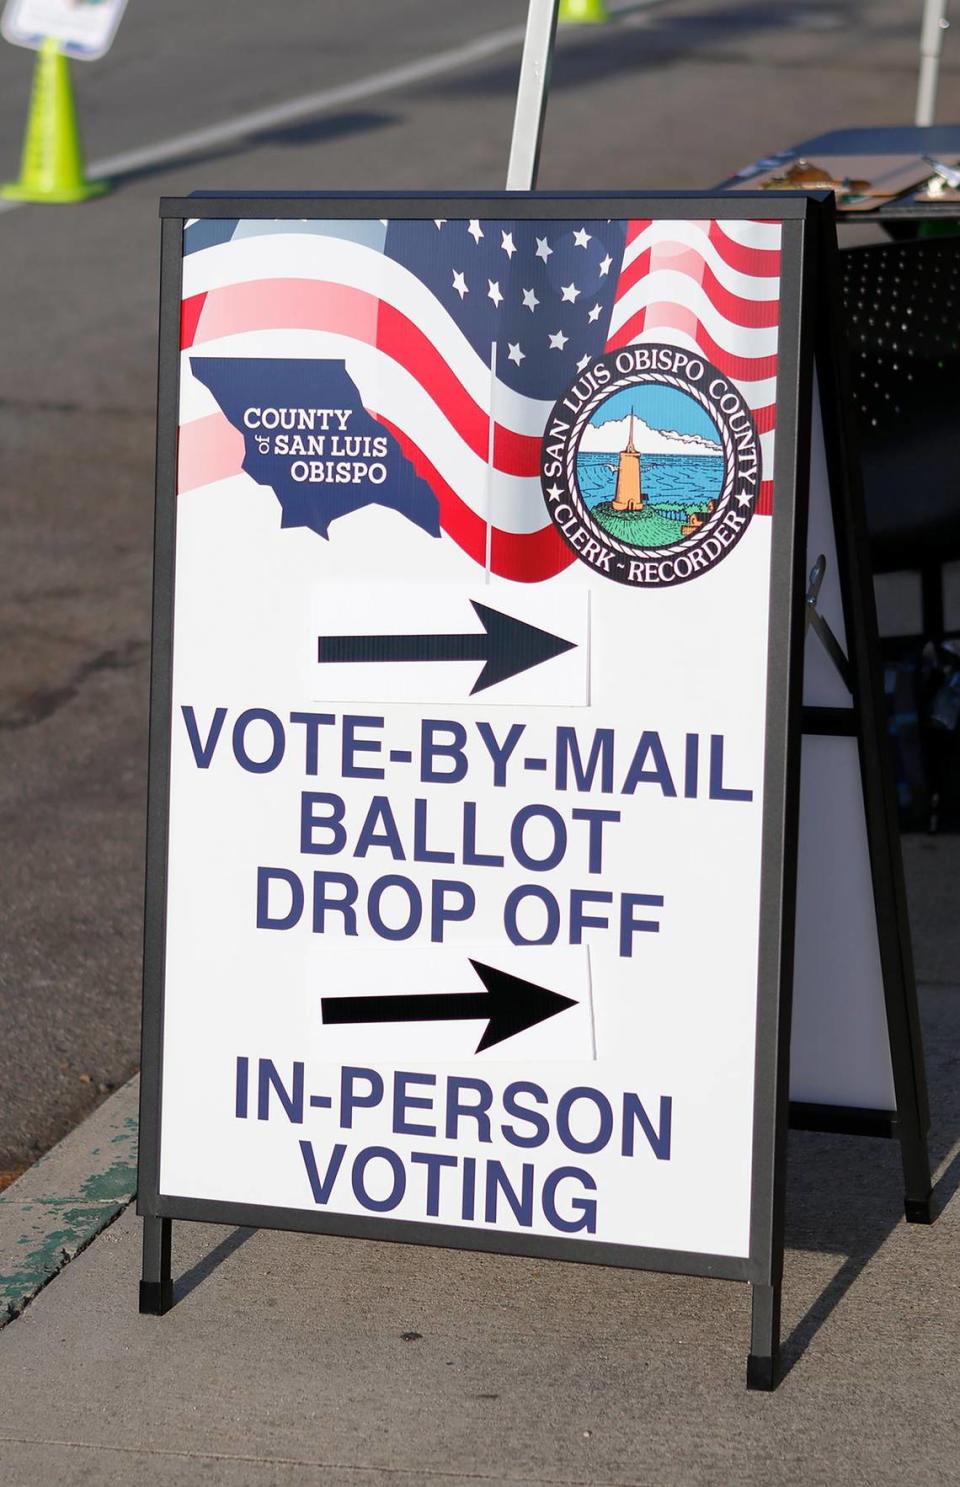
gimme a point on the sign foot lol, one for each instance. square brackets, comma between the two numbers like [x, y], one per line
[761, 1372]
[156, 1297]
[156, 1282]
[919, 1210]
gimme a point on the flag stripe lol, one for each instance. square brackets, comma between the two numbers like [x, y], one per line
[668, 286]
[526, 557]
[695, 254]
[667, 318]
[710, 286]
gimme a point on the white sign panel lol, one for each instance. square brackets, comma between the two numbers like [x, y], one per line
[467, 735]
[84, 28]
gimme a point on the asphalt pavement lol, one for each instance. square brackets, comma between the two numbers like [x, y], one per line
[668, 95]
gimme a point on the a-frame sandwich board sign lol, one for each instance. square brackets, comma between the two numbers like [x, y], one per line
[477, 733]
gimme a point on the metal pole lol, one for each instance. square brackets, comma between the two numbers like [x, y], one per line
[931, 45]
[532, 95]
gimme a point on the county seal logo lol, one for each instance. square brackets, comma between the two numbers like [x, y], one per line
[650, 466]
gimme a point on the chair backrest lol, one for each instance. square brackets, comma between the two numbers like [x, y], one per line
[903, 315]
[902, 302]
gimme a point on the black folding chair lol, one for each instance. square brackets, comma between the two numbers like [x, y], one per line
[902, 302]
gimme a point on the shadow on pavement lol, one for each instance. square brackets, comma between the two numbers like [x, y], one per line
[593, 53]
[305, 132]
[845, 1193]
[192, 1278]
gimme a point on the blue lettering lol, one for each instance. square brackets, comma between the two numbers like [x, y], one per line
[432, 749]
[379, 814]
[421, 852]
[585, 1207]
[414, 907]
[266, 876]
[579, 921]
[659, 1140]
[659, 774]
[500, 753]
[292, 1101]
[457, 1086]
[510, 909]
[321, 1190]
[433, 1161]
[350, 1100]
[557, 851]
[312, 723]
[629, 926]
[596, 821]
[203, 753]
[351, 746]
[541, 1126]
[718, 791]
[324, 902]
[471, 857]
[440, 914]
[605, 1125]
[691, 773]
[521, 1204]
[359, 1175]
[402, 1102]
[601, 754]
[311, 822]
[258, 715]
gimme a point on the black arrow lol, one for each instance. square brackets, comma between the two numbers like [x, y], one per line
[507, 646]
[510, 1003]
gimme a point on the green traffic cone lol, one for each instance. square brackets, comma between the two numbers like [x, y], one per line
[582, 12]
[51, 168]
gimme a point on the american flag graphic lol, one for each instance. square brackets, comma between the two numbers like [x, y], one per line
[461, 334]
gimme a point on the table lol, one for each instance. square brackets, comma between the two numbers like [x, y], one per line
[942, 141]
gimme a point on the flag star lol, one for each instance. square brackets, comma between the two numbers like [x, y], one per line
[530, 300]
[569, 292]
[583, 362]
[594, 313]
[460, 284]
[558, 340]
[581, 238]
[506, 243]
[475, 230]
[439, 222]
[514, 353]
[554, 492]
[605, 265]
[494, 292]
[544, 249]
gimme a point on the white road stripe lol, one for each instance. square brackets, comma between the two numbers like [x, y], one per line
[309, 104]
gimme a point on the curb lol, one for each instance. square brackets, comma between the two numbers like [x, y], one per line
[66, 1199]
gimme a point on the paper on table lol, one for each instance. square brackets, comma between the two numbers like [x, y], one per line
[884, 176]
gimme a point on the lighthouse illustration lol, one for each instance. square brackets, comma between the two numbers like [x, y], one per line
[629, 496]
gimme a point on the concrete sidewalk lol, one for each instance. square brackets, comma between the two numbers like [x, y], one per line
[296, 1359]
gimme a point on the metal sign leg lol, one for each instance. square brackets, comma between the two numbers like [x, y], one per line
[532, 95]
[764, 1337]
[156, 1283]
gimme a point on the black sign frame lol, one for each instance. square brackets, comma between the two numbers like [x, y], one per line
[808, 334]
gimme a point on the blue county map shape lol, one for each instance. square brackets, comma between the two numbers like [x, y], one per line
[273, 401]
